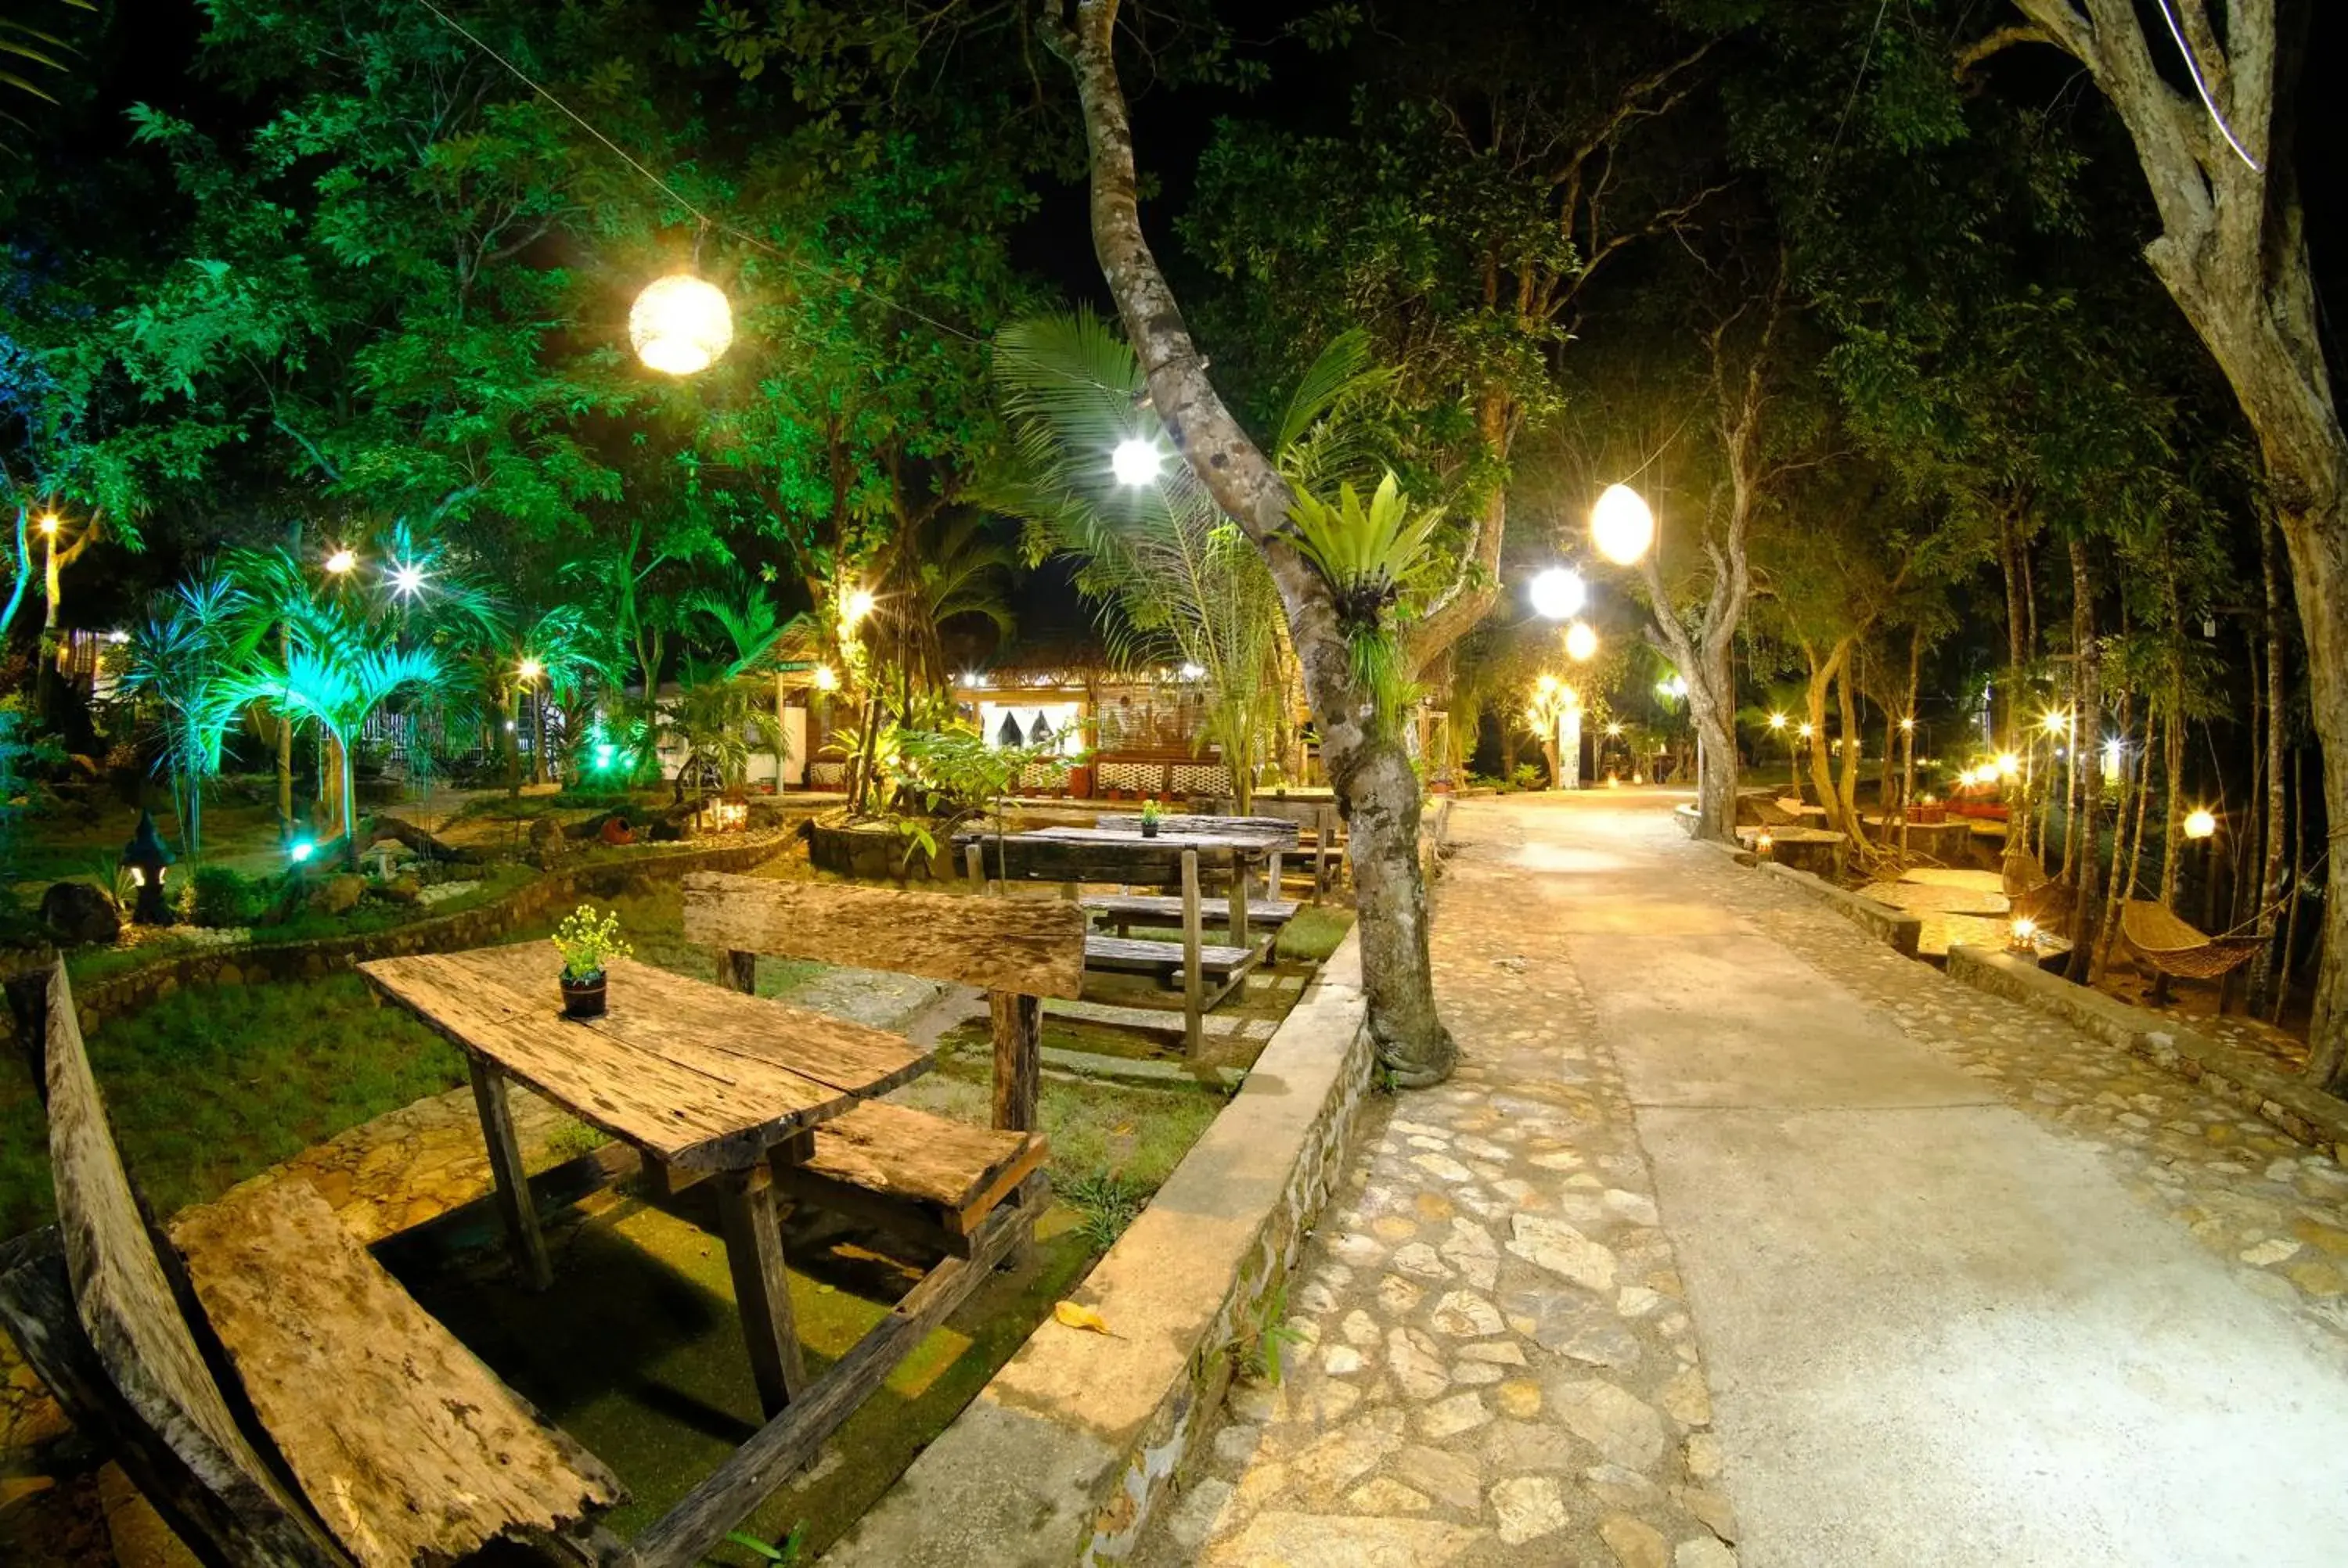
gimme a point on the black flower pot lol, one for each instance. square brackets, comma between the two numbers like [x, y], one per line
[1148, 830]
[582, 999]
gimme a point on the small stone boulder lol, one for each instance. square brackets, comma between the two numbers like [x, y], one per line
[338, 894]
[81, 912]
[547, 844]
[406, 888]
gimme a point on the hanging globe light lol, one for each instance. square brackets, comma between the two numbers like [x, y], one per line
[1620, 525]
[1581, 642]
[1558, 593]
[680, 324]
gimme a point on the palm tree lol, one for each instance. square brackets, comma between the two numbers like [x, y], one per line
[36, 46]
[337, 669]
[758, 633]
[180, 658]
[1177, 581]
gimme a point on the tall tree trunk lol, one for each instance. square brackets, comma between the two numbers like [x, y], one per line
[2086, 727]
[1825, 675]
[2264, 971]
[2127, 859]
[1368, 766]
[2172, 829]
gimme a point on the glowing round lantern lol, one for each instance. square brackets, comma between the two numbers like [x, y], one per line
[1581, 643]
[681, 325]
[2199, 823]
[1558, 593]
[1620, 525]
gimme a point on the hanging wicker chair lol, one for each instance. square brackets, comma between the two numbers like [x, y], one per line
[2035, 896]
[2155, 934]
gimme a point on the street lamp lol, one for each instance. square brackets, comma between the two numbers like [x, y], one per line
[2200, 823]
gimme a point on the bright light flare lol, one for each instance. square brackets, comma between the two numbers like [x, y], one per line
[2026, 935]
[2054, 723]
[1581, 642]
[1909, 724]
[406, 581]
[1558, 594]
[2008, 765]
[856, 606]
[1193, 671]
[2200, 823]
[1777, 721]
[1622, 524]
[48, 522]
[827, 679]
[1807, 731]
[1136, 462]
[301, 851]
[531, 669]
[680, 324]
[341, 560]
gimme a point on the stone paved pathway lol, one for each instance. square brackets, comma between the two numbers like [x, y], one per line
[1969, 1286]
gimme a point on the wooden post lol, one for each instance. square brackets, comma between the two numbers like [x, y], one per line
[1274, 880]
[762, 1288]
[1194, 980]
[973, 863]
[738, 972]
[513, 1181]
[1018, 1058]
[1239, 917]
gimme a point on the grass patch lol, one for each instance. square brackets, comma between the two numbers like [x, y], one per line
[1104, 1205]
[210, 1086]
[1313, 934]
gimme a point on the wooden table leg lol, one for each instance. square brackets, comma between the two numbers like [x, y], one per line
[1194, 980]
[762, 1290]
[1239, 916]
[512, 1181]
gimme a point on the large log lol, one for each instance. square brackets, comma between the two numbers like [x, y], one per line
[1027, 947]
[173, 1415]
[412, 1450]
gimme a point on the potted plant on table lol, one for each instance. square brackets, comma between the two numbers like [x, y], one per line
[587, 942]
[1149, 818]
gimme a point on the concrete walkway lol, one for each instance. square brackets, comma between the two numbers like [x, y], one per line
[1929, 1278]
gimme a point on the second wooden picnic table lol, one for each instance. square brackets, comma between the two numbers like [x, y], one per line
[697, 1078]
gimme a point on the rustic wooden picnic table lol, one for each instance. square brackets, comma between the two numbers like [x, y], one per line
[698, 1078]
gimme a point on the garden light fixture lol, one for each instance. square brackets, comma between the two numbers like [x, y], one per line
[1807, 730]
[531, 669]
[1622, 524]
[1909, 724]
[680, 324]
[2200, 823]
[2054, 723]
[2008, 765]
[146, 858]
[2024, 936]
[827, 679]
[1136, 462]
[301, 851]
[1777, 721]
[407, 580]
[341, 560]
[1558, 594]
[855, 606]
[1581, 642]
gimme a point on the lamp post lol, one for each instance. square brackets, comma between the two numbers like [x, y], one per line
[145, 856]
[1907, 773]
[1806, 732]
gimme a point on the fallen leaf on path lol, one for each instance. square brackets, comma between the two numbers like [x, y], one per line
[1075, 1315]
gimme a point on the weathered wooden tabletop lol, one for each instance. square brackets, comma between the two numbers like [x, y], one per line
[1245, 843]
[699, 1076]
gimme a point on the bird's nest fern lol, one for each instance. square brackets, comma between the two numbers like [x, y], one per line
[1367, 553]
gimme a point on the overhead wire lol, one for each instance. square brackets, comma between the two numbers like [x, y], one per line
[709, 220]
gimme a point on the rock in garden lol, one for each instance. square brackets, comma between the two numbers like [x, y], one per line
[547, 844]
[407, 888]
[338, 894]
[81, 912]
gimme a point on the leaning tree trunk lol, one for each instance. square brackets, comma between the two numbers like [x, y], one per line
[1368, 766]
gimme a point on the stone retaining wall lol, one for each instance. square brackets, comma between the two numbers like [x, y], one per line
[474, 928]
[874, 854]
[2291, 1104]
[1899, 928]
[1063, 1455]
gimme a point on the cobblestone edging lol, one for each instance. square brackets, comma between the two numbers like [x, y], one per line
[1063, 1455]
[1903, 930]
[2309, 1115]
[472, 927]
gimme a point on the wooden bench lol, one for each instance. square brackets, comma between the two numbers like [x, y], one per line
[925, 1177]
[282, 1400]
[1124, 910]
[1206, 973]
